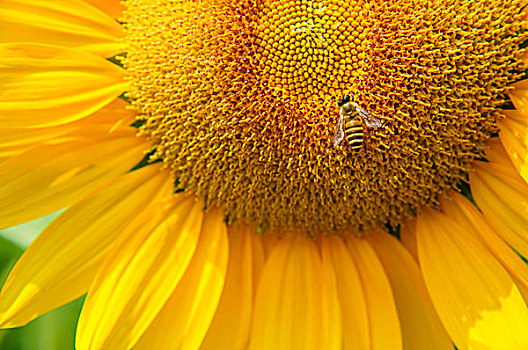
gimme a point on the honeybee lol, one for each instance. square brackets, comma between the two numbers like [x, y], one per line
[350, 123]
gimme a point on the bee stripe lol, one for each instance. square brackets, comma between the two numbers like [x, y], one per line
[354, 132]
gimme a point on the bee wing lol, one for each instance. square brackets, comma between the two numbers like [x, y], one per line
[339, 134]
[369, 119]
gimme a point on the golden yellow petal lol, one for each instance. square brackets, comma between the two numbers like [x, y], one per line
[474, 296]
[113, 8]
[52, 176]
[496, 154]
[269, 242]
[332, 318]
[472, 221]
[421, 327]
[524, 56]
[514, 137]
[185, 318]
[294, 306]
[500, 193]
[69, 23]
[408, 236]
[46, 85]
[232, 321]
[385, 331]
[139, 275]
[523, 290]
[62, 262]
[519, 95]
[14, 141]
[352, 300]
[259, 258]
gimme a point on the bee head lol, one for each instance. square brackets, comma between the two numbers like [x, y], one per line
[346, 99]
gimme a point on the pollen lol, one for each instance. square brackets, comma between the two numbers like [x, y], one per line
[240, 101]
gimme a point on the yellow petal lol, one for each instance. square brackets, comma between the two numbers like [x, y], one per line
[14, 141]
[259, 258]
[500, 193]
[408, 236]
[385, 332]
[232, 321]
[185, 318]
[62, 262]
[472, 221]
[519, 95]
[356, 330]
[113, 8]
[496, 153]
[514, 137]
[332, 318]
[524, 292]
[45, 85]
[269, 242]
[295, 307]
[474, 296]
[69, 23]
[421, 327]
[139, 275]
[50, 177]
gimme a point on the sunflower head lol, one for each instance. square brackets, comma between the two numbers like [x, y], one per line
[240, 99]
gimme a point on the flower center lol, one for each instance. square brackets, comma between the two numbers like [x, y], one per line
[239, 99]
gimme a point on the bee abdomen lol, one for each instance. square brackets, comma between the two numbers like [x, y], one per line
[354, 133]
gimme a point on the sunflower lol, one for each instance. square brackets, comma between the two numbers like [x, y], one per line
[208, 202]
